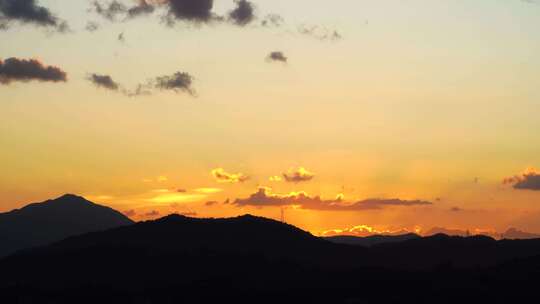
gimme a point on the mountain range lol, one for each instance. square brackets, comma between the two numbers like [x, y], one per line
[247, 259]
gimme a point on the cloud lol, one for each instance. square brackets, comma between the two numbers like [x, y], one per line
[198, 11]
[265, 198]
[169, 198]
[211, 203]
[277, 57]
[208, 190]
[121, 38]
[103, 81]
[456, 209]
[319, 32]
[365, 231]
[91, 26]
[178, 82]
[272, 20]
[130, 213]
[222, 176]
[243, 14]
[188, 214]
[275, 178]
[24, 70]
[111, 10]
[28, 12]
[529, 180]
[298, 175]
[115, 10]
[141, 9]
[153, 213]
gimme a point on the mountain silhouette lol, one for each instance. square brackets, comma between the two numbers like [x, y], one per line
[53, 220]
[515, 234]
[249, 259]
[373, 240]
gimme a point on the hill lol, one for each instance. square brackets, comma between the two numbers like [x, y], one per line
[53, 220]
[249, 259]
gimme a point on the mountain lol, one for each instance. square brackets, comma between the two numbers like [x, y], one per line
[515, 234]
[250, 259]
[452, 232]
[371, 240]
[53, 220]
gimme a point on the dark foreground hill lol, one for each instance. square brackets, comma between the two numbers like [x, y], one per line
[255, 260]
[53, 220]
[370, 241]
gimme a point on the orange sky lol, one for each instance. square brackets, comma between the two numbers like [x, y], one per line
[390, 114]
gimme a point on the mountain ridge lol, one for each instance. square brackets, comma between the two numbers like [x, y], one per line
[44, 222]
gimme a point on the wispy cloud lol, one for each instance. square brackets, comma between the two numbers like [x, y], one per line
[319, 32]
[264, 197]
[208, 190]
[175, 197]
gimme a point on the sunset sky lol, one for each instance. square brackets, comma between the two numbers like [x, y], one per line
[397, 115]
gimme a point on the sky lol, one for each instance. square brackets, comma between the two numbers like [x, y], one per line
[390, 115]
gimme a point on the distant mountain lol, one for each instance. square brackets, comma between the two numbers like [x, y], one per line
[515, 234]
[53, 220]
[451, 232]
[371, 240]
[510, 234]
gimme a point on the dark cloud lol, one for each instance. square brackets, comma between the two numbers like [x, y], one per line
[319, 32]
[28, 12]
[178, 82]
[530, 180]
[199, 11]
[298, 175]
[243, 14]
[121, 38]
[111, 10]
[272, 20]
[115, 10]
[23, 70]
[181, 190]
[265, 198]
[141, 9]
[104, 81]
[456, 209]
[92, 26]
[277, 56]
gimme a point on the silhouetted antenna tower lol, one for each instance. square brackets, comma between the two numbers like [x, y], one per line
[282, 215]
